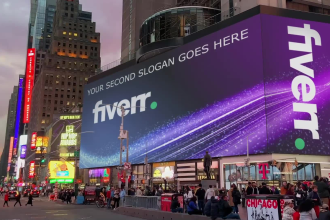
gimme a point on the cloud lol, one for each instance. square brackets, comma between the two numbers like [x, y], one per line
[14, 36]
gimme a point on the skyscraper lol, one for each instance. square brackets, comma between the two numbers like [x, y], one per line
[11, 115]
[73, 56]
[134, 13]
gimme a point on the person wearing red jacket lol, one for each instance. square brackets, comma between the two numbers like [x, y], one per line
[296, 215]
[6, 199]
[109, 198]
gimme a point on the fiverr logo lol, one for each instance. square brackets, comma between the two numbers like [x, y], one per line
[136, 103]
[307, 90]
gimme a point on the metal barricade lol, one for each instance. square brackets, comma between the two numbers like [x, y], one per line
[147, 202]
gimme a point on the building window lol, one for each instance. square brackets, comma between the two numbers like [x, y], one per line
[81, 46]
[85, 47]
[70, 33]
[86, 53]
[70, 45]
[67, 103]
[71, 15]
[43, 122]
[68, 96]
[80, 52]
[55, 108]
[56, 95]
[62, 96]
[75, 46]
[61, 102]
[75, 34]
[64, 32]
[81, 35]
[59, 44]
[43, 114]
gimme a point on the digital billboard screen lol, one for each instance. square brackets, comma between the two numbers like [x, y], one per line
[212, 94]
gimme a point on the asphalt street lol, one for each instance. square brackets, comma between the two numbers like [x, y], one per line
[49, 210]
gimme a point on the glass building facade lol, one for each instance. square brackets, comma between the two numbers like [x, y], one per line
[39, 24]
[282, 171]
[177, 22]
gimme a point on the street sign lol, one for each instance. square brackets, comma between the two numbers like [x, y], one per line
[127, 166]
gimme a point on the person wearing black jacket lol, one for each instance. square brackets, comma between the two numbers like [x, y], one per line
[214, 208]
[300, 195]
[225, 211]
[18, 199]
[200, 193]
[264, 189]
[175, 206]
[255, 188]
[207, 209]
[249, 189]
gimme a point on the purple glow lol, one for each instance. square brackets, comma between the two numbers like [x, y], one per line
[23, 152]
[18, 111]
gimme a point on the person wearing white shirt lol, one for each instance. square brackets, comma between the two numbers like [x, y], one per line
[138, 192]
[209, 193]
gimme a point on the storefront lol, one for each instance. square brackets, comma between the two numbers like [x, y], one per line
[272, 169]
[139, 179]
[163, 175]
[99, 176]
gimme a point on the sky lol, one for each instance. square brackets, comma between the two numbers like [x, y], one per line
[14, 25]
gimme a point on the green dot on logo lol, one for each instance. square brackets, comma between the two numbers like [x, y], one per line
[300, 143]
[153, 105]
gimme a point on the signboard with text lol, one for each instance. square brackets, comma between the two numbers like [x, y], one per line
[61, 170]
[33, 140]
[31, 169]
[262, 209]
[29, 83]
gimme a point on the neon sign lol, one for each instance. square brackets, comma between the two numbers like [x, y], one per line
[10, 152]
[33, 140]
[64, 117]
[31, 170]
[42, 142]
[18, 114]
[69, 138]
[23, 152]
[29, 82]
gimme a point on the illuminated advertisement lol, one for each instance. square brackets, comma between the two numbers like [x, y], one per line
[102, 174]
[163, 170]
[61, 170]
[10, 152]
[23, 152]
[65, 117]
[250, 79]
[31, 169]
[33, 140]
[69, 138]
[29, 83]
[42, 141]
[18, 114]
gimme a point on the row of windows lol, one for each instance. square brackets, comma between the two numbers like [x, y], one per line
[62, 89]
[75, 64]
[81, 30]
[80, 52]
[80, 25]
[76, 46]
[76, 35]
[56, 102]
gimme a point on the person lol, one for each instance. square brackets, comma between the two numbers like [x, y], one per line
[264, 189]
[109, 198]
[122, 195]
[138, 191]
[216, 191]
[214, 207]
[68, 197]
[243, 197]
[296, 215]
[249, 189]
[231, 199]
[116, 199]
[276, 191]
[316, 200]
[255, 188]
[200, 193]
[225, 211]
[284, 188]
[222, 192]
[207, 162]
[307, 211]
[207, 208]
[288, 211]
[6, 199]
[323, 190]
[18, 199]
[192, 208]
[300, 195]
[290, 190]
[324, 212]
[209, 193]
[175, 205]
[29, 200]
[236, 199]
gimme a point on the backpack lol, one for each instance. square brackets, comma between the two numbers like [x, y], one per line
[237, 197]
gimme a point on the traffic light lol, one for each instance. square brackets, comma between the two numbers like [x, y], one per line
[43, 159]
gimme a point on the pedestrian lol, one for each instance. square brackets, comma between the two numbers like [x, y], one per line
[109, 199]
[175, 205]
[264, 189]
[192, 208]
[290, 190]
[214, 207]
[225, 211]
[209, 193]
[236, 199]
[324, 212]
[243, 197]
[288, 211]
[138, 191]
[68, 197]
[296, 215]
[300, 195]
[323, 190]
[200, 193]
[307, 211]
[207, 208]
[284, 188]
[18, 199]
[116, 199]
[29, 200]
[255, 188]
[231, 199]
[316, 200]
[6, 199]
[249, 189]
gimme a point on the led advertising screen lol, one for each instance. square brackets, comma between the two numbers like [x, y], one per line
[29, 83]
[61, 170]
[263, 79]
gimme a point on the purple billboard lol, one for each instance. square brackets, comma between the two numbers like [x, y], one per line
[264, 78]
